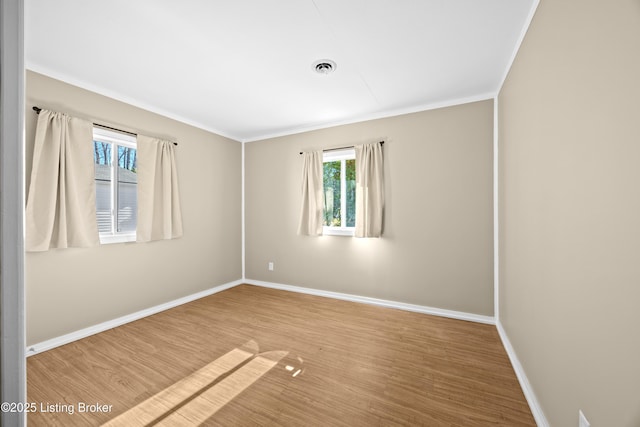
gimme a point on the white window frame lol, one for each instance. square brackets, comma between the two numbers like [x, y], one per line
[341, 155]
[117, 139]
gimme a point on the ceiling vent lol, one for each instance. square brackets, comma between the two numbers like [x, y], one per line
[324, 66]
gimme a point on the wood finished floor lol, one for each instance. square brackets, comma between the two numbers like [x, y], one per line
[322, 362]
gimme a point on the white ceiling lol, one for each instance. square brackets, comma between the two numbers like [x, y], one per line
[243, 68]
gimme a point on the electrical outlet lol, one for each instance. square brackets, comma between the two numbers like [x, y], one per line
[270, 266]
[582, 420]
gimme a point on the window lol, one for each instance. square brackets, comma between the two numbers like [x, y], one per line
[339, 179]
[115, 159]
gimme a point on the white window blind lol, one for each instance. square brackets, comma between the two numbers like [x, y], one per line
[115, 158]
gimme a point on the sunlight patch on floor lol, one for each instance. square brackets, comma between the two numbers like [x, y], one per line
[199, 396]
[210, 401]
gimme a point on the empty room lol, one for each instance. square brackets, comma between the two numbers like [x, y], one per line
[320, 213]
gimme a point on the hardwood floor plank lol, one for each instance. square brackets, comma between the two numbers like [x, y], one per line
[341, 364]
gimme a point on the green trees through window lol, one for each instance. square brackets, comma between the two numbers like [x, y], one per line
[332, 193]
[339, 178]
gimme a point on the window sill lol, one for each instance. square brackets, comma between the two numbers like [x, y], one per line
[106, 239]
[338, 231]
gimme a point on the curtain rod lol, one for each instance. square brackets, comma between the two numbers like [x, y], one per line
[342, 148]
[38, 109]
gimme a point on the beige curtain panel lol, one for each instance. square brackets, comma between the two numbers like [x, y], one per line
[61, 204]
[369, 190]
[159, 213]
[312, 206]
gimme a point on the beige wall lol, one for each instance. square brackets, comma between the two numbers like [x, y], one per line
[71, 289]
[570, 210]
[437, 244]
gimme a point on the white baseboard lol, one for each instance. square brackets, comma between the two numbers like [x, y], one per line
[101, 327]
[534, 405]
[380, 302]
[536, 410]
[104, 326]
